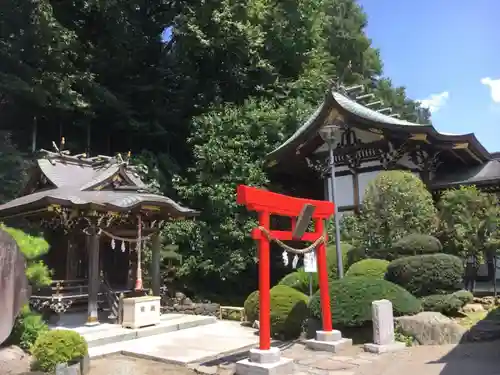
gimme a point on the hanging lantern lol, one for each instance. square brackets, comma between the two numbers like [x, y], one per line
[113, 244]
[295, 261]
[123, 246]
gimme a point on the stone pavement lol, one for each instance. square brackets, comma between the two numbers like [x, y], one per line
[210, 350]
[307, 362]
[463, 359]
[186, 346]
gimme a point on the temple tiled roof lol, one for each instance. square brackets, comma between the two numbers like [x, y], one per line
[481, 174]
[356, 112]
[367, 113]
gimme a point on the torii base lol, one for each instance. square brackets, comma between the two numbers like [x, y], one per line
[331, 341]
[265, 362]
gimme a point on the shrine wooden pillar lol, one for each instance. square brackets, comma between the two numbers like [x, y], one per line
[93, 279]
[155, 264]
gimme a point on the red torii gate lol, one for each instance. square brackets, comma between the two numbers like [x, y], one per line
[267, 203]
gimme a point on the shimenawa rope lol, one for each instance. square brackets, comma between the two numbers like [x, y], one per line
[290, 249]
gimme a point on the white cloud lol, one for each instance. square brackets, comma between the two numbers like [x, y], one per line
[435, 101]
[494, 85]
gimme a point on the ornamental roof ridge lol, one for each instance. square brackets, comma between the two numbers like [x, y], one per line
[64, 169]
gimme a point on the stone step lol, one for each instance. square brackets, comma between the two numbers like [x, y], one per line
[112, 333]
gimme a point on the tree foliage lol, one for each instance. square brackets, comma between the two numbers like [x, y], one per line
[13, 169]
[33, 248]
[200, 108]
[395, 204]
[469, 222]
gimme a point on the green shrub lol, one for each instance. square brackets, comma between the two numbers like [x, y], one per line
[355, 255]
[299, 280]
[288, 311]
[375, 268]
[57, 346]
[331, 258]
[423, 275]
[446, 304]
[251, 306]
[418, 244]
[28, 326]
[464, 296]
[351, 300]
[395, 204]
[413, 244]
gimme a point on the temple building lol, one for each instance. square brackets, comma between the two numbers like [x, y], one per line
[97, 215]
[366, 142]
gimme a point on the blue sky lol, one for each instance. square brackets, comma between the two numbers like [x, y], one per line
[447, 53]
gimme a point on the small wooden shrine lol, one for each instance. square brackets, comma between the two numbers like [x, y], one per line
[97, 214]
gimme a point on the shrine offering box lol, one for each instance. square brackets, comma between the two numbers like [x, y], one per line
[141, 311]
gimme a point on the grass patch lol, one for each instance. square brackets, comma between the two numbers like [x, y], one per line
[472, 318]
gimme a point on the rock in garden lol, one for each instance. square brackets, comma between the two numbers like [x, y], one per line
[431, 328]
[473, 307]
[13, 360]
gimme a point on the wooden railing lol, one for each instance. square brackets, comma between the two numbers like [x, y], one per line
[113, 301]
[63, 288]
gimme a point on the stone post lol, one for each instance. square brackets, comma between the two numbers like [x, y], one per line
[155, 264]
[383, 329]
[93, 279]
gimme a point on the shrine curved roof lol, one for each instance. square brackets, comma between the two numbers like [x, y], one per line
[367, 113]
[362, 114]
[109, 200]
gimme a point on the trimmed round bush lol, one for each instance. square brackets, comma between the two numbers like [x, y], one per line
[355, 255]
[351, 300]
[251, 306]
[446, 304]
[423, 275]
[464, 296]
[299, 280]
[331, 258]
[416, 244]
[58, 346]
[375, 268]
[288, 311]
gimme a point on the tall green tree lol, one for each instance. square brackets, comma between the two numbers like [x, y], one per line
[294, 50]
[395, 204]
[13, 169]
[469, 222]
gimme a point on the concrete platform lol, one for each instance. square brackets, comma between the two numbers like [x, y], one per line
[107, 333]
[193, 345]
